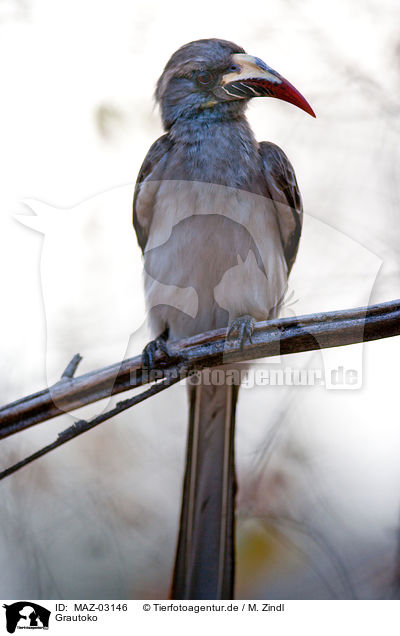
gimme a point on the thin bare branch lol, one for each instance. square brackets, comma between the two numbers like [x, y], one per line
[72, 367]
[81, 426]
[287, 335]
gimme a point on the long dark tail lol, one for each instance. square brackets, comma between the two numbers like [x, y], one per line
[204, 563]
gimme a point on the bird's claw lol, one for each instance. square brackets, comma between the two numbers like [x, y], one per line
[150, 351]
[241, 329]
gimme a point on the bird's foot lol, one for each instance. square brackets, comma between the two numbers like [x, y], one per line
[241, 329]
[152, 348]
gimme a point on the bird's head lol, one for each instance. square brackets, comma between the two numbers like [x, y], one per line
[215, 79]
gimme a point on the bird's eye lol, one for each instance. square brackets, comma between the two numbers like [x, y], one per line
[205, 78]
[233, 68]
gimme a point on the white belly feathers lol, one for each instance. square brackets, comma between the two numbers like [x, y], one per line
[214, 253]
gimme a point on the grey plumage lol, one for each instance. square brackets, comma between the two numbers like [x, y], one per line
[218, 218]
[209, 489]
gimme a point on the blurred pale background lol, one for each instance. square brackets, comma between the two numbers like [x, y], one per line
[319, 470]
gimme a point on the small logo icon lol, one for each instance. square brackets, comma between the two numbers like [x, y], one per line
[26, 615]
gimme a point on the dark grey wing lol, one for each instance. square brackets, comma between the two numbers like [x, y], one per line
[284, 191]
[146, 187]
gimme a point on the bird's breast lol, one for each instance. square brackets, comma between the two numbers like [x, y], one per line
[214, 252]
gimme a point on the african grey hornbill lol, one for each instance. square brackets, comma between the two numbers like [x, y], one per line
[218, 217]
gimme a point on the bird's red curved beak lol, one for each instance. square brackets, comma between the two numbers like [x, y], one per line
[253, 78]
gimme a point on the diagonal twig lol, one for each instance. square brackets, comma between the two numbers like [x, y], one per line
[81, 426]
[286, 335]
[71, 367]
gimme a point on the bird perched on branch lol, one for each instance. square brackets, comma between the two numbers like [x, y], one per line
[218, 217]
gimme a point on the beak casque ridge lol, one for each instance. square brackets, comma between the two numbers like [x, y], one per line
[254, 78]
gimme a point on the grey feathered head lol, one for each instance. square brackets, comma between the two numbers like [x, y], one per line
[201, 55]
[214, 79]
